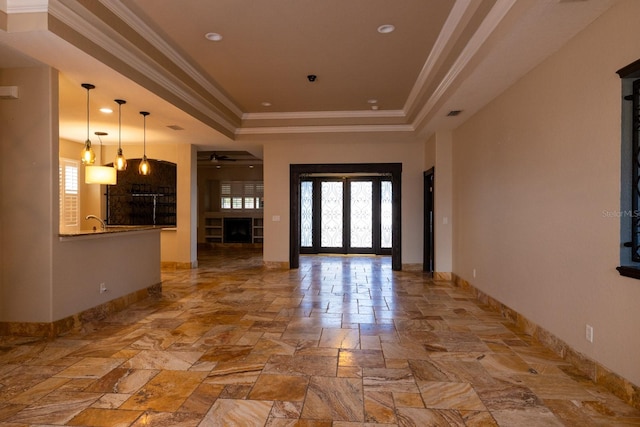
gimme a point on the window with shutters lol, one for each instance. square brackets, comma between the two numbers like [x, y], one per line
[69, 171]
[241, 195]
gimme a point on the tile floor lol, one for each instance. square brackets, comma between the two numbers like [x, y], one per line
[339, 342]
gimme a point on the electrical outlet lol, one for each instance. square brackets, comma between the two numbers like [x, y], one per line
[103, 288]
[589, 333]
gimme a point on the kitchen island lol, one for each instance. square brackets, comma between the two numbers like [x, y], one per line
[94, 273]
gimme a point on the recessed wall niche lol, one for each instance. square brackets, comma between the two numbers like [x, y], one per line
[143, 199]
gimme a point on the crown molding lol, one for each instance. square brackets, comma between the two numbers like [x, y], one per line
[140, 27]
[310, 115]
[324, 129]
[450, 27]
[95, 30]
[486, 28]
[24, 6]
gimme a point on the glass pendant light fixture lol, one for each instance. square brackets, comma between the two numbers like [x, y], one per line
[88, 156]
[94, 174]
[144, 168]
[120, 163]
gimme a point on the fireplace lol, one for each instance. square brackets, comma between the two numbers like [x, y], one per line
[237, 230]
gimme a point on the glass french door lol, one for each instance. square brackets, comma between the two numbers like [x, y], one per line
[350, 215]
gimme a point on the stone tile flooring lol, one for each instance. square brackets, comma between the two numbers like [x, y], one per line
[342, 341]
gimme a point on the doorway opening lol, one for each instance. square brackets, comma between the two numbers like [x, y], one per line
[348, 213]
[429, 201]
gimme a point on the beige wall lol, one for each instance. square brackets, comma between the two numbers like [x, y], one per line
[333, 148]
[28, 154]
[533, 172]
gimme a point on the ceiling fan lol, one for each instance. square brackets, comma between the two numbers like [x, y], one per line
[214, 158]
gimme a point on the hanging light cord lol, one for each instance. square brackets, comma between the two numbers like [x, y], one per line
[144, 135]
[88, 87]
[88, 113]
[119, 126]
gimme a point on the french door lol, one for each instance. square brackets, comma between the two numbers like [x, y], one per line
[347, 215]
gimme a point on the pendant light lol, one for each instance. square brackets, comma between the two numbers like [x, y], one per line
[120, 163]
[94, 174]
[88, 156]
[144, 168]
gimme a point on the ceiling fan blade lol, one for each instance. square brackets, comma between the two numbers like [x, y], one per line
[214, 158]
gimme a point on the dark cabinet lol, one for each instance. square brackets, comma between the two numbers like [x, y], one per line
[143, 200]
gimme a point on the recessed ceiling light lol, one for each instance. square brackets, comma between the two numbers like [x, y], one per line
[106, 110]
[372, 101]
[265, 104]
[386, 28]
[214, 37]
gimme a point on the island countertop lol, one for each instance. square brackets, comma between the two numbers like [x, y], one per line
[110, 230]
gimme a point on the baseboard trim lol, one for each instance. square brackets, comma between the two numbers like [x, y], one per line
[619, 386]
[67, 324]
[442, 275]
[276, 265]
[174, 265]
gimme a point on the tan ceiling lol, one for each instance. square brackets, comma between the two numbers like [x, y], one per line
[443, 55]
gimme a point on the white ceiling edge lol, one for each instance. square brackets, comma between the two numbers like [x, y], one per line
[324, 129]
[24, 6]
[106, 37]
[508, 62]
[377, 114]
[161, 44]
[487, 27]
[449, 28]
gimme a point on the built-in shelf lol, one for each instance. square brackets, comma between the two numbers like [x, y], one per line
[258, 230]
[214, 228]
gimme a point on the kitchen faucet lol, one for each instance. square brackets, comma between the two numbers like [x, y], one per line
[102, 225]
